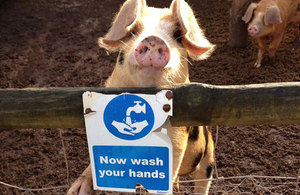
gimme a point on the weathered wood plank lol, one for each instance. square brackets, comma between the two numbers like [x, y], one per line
[194, 104]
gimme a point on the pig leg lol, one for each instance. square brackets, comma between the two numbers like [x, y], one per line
[179, 139]
[275, 44]
[261, 50]
[203, 178]
[84, 184]
[176, 185]
[204, 172]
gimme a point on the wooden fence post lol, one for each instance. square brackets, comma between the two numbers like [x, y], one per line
[238, 34]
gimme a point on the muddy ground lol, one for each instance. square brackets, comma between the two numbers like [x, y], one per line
[53, 44]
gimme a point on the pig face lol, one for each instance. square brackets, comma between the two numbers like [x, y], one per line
[152, 56]
[154, 44]
[261, 17]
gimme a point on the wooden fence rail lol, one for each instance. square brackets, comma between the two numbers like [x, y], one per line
[194, 104]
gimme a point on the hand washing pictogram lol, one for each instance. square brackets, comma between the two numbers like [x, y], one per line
[130, 128]
[129, 117]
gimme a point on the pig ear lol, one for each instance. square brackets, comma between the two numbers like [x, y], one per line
[193, 39]
[122, 24]
[249, 13]
[272, 16]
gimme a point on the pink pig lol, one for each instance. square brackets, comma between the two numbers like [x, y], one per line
[268, 19]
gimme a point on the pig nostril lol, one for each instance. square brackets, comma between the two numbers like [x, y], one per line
[160, 51]
[143, 50]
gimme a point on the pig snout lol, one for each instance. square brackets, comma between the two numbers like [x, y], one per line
[253, 30]
[152, 52]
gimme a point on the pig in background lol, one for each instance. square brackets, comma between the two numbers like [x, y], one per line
[268, 20]
[153, 46]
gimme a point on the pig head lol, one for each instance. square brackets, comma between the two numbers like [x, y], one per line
[154, 44]
[268, 19]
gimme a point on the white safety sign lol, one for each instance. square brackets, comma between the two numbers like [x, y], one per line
[127, 142]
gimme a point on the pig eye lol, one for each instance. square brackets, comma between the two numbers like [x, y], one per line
[178, 36]
[136, 29]
[121, 57]
[131, 33]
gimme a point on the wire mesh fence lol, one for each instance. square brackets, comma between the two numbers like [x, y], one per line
[221, 185]
[251, 184]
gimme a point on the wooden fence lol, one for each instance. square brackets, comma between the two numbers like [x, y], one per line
[194, 104]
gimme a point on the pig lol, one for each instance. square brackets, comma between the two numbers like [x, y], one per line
[268, 19]
[153, 46]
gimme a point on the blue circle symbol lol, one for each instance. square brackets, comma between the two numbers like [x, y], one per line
[128, 117]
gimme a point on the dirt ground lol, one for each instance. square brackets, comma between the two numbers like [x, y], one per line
[53, 44]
